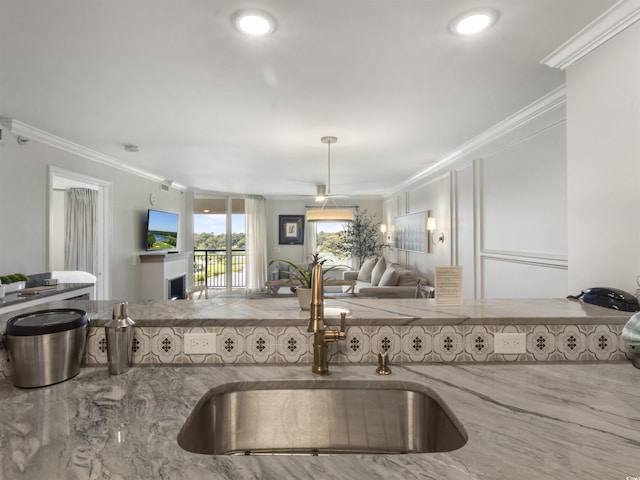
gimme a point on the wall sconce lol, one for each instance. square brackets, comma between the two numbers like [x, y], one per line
[431, 226]
[387, 238]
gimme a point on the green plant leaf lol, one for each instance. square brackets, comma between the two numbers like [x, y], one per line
[303, 272]
[359, 239]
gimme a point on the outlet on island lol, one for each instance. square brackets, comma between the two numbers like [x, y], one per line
[199, 343]
[510, 343]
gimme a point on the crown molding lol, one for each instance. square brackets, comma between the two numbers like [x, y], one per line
[541, 106]
[23, 130]
[617, 18]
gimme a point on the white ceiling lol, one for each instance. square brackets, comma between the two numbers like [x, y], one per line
[217, 111]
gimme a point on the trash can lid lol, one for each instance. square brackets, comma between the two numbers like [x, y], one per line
[47, 321]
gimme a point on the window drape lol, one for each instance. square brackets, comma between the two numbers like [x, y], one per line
[256, 243]
[81, 230]
[310, 241]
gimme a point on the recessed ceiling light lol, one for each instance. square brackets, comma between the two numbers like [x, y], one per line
[474, 21]
[256, 23]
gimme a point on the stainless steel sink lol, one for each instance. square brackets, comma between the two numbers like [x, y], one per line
[319, 418]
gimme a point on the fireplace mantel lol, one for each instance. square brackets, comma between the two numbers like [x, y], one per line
[162, 257]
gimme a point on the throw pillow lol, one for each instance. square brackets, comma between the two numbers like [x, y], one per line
[389, 278]
[364, 275]
[377, 272]
[407, 278]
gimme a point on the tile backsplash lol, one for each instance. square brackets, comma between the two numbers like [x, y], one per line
[404, 344]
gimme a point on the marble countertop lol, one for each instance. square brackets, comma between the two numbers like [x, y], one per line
[523, 421]
[15, 300]
[285, 310]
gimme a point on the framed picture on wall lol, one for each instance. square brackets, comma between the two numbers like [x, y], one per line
[411, 232]
[291, 231]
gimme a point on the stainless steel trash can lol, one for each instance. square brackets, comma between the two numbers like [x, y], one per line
[46, 346]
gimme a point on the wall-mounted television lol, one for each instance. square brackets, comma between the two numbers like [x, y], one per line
[162, 231]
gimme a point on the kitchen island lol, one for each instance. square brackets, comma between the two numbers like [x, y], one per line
[273, 329]
[530, 421]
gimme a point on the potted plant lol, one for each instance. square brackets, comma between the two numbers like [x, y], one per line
[359, 238]
[302, 274]
[14, 282]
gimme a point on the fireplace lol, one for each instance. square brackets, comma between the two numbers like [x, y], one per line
[177, 287]
[164, 276]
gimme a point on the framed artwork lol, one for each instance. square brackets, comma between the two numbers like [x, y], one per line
[411, 232]
[291, 229]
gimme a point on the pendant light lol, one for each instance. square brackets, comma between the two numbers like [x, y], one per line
[330, 214]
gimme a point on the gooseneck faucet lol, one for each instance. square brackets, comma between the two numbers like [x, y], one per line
[321, 336]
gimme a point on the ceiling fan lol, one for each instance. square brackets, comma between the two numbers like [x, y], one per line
[324, 191]
[326, 213]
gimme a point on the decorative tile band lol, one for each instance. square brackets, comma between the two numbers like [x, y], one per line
[404, 344]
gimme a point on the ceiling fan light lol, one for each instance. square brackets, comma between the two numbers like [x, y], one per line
[329, 215]
[321, 193]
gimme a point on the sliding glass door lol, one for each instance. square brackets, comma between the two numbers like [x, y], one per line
[219, 243]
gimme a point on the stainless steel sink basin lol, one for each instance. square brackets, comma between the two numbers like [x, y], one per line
[321, 417]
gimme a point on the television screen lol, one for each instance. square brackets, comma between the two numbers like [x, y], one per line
[162, 231]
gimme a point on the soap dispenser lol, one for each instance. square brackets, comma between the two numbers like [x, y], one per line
[119, 333]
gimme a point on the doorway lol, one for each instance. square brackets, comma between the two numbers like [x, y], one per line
[59, 181]
[219, 243]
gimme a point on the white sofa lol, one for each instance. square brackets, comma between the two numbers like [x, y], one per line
[382, 279]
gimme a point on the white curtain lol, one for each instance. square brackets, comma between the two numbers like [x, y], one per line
[310, 243]
[81, 230]
[256, 243]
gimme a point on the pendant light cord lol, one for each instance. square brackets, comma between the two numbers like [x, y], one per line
[329, 169]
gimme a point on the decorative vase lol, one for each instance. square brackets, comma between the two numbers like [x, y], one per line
[304, 297]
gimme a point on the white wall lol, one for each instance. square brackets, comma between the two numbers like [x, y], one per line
[463, 237]
[603, 114]
[550, 207]
[24, 209]
[523, 217]
[434, 195]
[502, 207]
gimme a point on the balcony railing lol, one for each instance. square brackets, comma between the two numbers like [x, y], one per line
[210, 267]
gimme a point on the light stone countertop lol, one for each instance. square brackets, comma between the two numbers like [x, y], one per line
[524, 421]
[285, 310]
